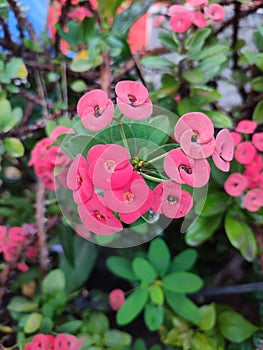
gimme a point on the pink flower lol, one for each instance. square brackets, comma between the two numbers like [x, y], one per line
[109, 166]
[260, 180]
[235, 184]
[97, 217]
[22, 267]
[95, 109]
[169, 199]
[175, 9]
[252, 178]
[49, 181]
[67, 342]
[197, 3]
[80, 13]
[56, 156]
[257, 140]
[224, 150]
[78, 180]
[186, 170]
[215, 12]
[245, 152]
[197, 18]
[237, 138]
[256, 164]
[133, 99]
[195, 133]
[15, 233]
[116, 299]
[134, 197]
[32, 252]
[60, 130]
[253, 200]
[180, 22]
[41, 341]
[246, 126]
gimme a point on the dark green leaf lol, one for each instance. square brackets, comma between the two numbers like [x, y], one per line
[215, 203]
[67, 237]
[121, 267]
[235, 327]
[203, 95]
[209, 52]
[132, 307]
[159, 255]
[71, 327]
[182, 282]
[259, 61]
[193, 76]
[85, 257]
[98, 323]
[113, 338]
[169, 41]
[202, 229]
[195, 41]
[21, 304]
[257, 84]
[156, 62]
[258, 113]
[219, 119]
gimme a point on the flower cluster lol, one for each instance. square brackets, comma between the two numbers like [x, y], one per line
[45, 156]
[194, 12]
[50, 342]
[13, 243]
[111, 186]
[247, 183]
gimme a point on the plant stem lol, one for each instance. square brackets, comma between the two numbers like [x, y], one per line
[152, 178]
[154, 159]
[123, 137]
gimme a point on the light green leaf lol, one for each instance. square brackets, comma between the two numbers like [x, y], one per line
[169, 41]
[98, 323]
[200, 341]
[55, 281]
[159, 255]
[193, 76]
[132, 307]
[79, 85]
[208, 313]
[182, 282]
[80, 65]
[70, 327]
[156, 294]
[144, 270]
[235, 327]
[203, 95]
[195, 41]
[33, 322]
[14, 147]
[259, 61]
[113, 338]
[219, 119]
[21, 304]
[257, 84]
[156, 62]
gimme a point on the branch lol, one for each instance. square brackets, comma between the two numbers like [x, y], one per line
[105, 74]
[61, 22]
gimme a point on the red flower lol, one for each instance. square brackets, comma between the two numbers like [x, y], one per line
[133, 99]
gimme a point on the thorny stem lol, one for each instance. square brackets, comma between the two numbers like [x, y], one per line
[40, 224]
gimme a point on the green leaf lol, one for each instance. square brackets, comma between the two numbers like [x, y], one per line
[71, 327]
[209, 52]
[55, 281]
[156, 294]
[153, 316]
[98, 323]
[183, 306]
[215, 203]
[186, 105]
[109, 8]
[13, 67]
[208, 313]
[85, 258]
[139, 344]
[159, 255]
[257, 84]
[202, 229]
[184, 260]
[169, 41]
[121, 267]
[259, 61]
[33, 322]
[144, 270]
[21, 304]
[219, 119]
[132, 307]
[195, 41]
[258, 113]
[240, 234]
[80, 65]
[123, 21]
[50, 126]
[14, 147]
[193, 76]
[78, 85]
[235, 327]
[67, 239]
[113, 338]
[182, 282]
[156, 62]
[211, 67]
[200, 341]
[203, 95]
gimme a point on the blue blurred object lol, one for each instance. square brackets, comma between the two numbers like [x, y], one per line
[36, 13]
